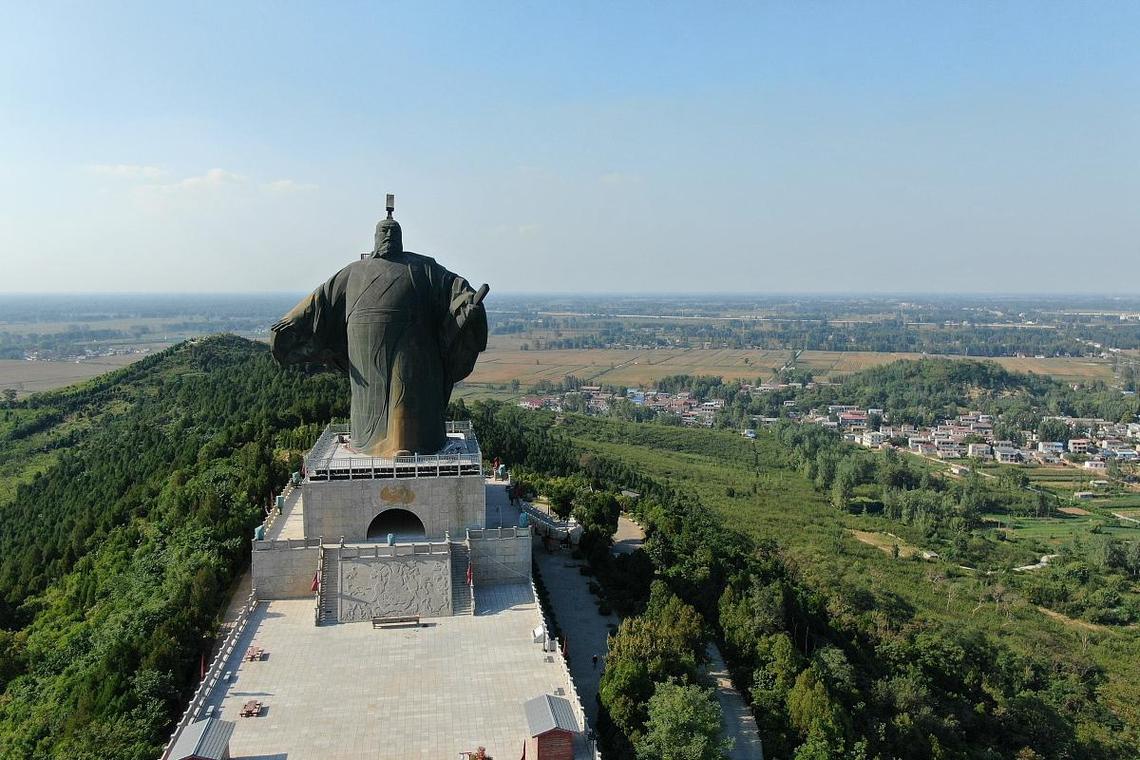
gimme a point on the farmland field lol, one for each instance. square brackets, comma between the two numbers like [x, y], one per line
[505, 361]
[29, 377]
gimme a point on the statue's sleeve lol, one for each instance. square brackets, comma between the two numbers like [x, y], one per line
[315, 330]
[463, 328]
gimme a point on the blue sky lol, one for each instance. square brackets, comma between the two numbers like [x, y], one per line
[804, 146]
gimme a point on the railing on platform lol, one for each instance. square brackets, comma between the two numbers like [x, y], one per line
[213, 674]
[285, 543]
[322, 464]
[357, 551]
[484, 534]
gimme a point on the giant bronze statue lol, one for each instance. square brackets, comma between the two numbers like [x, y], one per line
[403, 328]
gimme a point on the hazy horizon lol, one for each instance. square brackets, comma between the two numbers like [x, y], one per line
[582, 149]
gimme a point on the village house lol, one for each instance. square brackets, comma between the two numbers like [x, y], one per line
[979, 450]
[872, 439]
[1007, 455]
[1079, 445]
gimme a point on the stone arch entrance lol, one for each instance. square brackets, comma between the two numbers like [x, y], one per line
[404, 524]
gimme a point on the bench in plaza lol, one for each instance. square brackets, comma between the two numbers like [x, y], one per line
[379, 622]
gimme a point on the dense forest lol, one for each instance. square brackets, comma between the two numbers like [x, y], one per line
[842, 654]
[135, 496]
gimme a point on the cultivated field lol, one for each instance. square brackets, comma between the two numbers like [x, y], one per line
[29, 377]
[504, 361]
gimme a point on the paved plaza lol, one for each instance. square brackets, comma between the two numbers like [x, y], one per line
[349, 691]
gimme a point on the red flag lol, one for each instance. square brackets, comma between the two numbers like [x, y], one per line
[469, 575]
[316, 583]
[202, 667]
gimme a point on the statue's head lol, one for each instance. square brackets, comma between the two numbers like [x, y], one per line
[389, 240]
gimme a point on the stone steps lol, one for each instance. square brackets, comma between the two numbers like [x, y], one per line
[330, 580]
[461, 601]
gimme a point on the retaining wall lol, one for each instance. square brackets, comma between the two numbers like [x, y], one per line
[500, 555]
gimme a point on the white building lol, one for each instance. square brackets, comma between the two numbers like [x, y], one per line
[1007, 455]
[980, 450]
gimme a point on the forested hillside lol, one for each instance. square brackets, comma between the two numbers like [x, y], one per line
[845, 650]
[125, 517]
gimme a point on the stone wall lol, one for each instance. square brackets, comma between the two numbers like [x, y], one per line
[500, 555]
[346, 507]
[378, 584]
[284, 569]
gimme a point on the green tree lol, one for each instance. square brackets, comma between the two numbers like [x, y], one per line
[684, 724]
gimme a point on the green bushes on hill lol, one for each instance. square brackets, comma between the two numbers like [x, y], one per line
[116, 560]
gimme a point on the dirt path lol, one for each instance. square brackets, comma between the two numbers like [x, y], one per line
[629, 536]
[738, 723]
[1073, 621]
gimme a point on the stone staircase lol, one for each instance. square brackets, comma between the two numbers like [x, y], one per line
[462, 601]
[330, 586]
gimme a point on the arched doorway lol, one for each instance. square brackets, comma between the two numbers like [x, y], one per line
[400, 522]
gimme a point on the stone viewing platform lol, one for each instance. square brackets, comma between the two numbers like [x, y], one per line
[331, 458]
[352, 692]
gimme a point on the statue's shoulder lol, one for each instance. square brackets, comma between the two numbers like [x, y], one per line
[418, 259]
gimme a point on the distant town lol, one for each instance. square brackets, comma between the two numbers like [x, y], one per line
[1099, 445]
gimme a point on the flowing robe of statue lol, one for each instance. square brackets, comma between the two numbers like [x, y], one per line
[404, 329]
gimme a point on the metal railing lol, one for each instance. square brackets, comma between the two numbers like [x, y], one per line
[322, 464]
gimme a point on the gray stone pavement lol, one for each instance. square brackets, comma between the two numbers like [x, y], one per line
[738, 723]
[586, 631]
[500, 513]
[291, 522]
[350, 692]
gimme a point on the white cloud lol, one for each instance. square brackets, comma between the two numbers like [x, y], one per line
[287, 186]
[127, 171]
[214, 179]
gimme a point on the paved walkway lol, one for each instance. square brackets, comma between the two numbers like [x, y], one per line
[738, 721]
[500, 513]
[586, 632]
[629, 537]
[291, 522]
